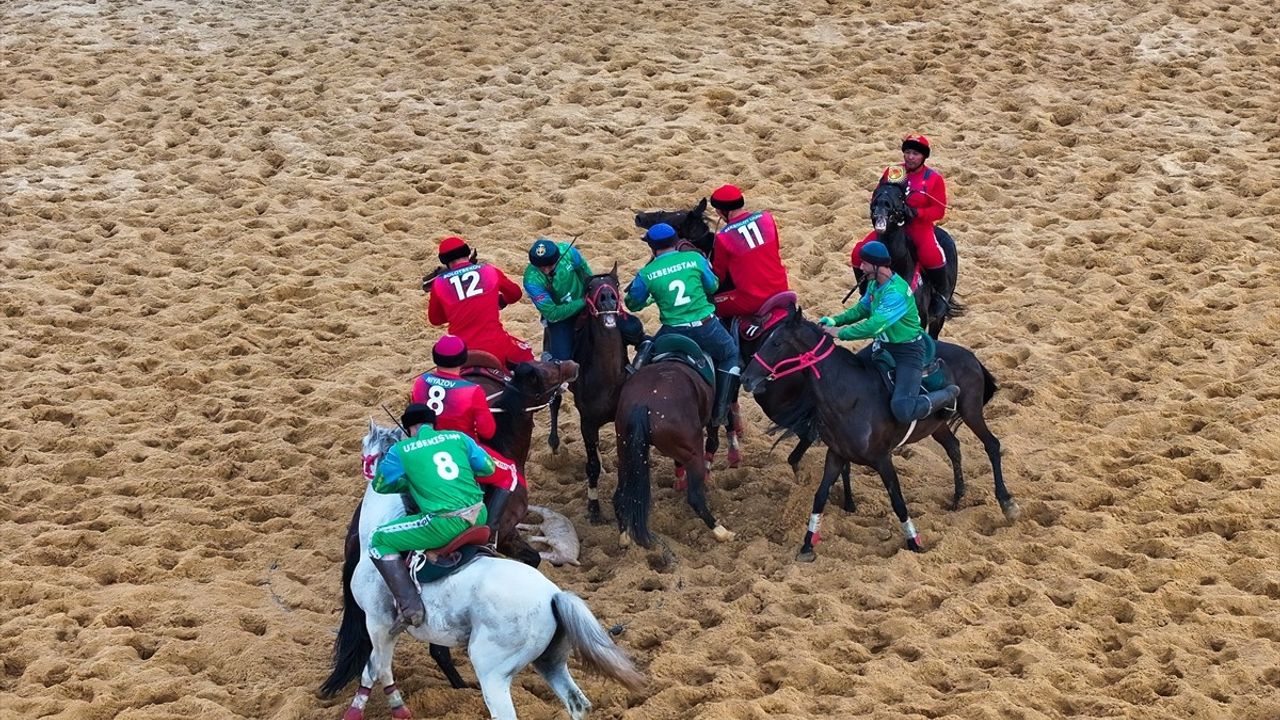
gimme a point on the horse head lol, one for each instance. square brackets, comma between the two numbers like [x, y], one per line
[792, 346]
[537, 381]
[888, 206]
[602, 297]
[689, 225]
[375, 444]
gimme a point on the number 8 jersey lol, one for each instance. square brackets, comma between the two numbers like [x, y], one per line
[467, 298]
[458, 404]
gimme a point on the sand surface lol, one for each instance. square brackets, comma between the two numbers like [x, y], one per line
[213, 218]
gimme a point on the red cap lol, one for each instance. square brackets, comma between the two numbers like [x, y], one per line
[915, 141]
[450, 345]
[726, 194]
[451, 244]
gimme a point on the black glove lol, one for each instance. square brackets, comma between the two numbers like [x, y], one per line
[911, 213]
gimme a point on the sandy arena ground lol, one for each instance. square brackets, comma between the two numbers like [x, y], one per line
[214, 216]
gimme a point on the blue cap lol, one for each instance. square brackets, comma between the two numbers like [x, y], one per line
[661, 232]
[875, 253]
[543, 253]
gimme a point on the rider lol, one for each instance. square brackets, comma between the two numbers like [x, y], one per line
[468, 296]
[556, 280]
[681, 283]
[926, 205]
[887, 312]
[746, 258]
[438, 468]
[458, 404]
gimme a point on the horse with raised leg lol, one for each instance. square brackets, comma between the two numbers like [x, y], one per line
[848, 400]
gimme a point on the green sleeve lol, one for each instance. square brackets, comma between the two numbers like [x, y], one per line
[857, 312]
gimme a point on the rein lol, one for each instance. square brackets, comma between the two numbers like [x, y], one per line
[805, 360]
[593, 299]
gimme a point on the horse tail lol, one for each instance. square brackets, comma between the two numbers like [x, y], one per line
[593, 645]
[631, 500]
[989, 385]
[954, 307]
[352, 647]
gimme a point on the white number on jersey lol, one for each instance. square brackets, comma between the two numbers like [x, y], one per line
[445, 466]
[751, 233]
[677, 287]
[435, 398]
[472, 279]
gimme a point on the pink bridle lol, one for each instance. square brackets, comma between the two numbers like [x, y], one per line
[593, 299]
[806, 359]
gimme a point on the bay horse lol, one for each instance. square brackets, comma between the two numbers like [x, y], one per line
[690, 225]
[847, 400]
[507, 614]
[888, 216]
[602, 368]
[665, 405]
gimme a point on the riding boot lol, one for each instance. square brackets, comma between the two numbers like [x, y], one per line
[409, 608]
[725, 384]
[496, 502]
[938, 399]
[937, 279]
[642, 355]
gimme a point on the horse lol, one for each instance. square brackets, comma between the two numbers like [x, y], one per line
[888, 216]
[602, 360]
[505, 612]
[530, 387]
[666, 405]
[690, 225]
[848, 401]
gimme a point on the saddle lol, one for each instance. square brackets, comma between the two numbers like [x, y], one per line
[431, 565]
[934, 376]
[677, 348]
[773, 311]
[486, 364]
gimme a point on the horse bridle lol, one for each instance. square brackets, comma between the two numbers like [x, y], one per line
[807, 359]
[551, 394]
[593, 302]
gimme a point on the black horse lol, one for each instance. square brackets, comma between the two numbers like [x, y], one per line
[847, 400]
[888, 215]
[689, 225]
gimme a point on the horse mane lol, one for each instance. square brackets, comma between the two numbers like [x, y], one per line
[801, 419]
[510, 406]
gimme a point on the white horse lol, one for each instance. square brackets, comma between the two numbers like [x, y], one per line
[505, 612]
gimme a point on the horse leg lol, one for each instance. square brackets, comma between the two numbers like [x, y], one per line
[697, 497]
[682, 481]
[889, 476]
[496, 661]
[378, 669]
[554, 438]
[951, 444]
[591, 441]
[444, 660]
[797, 455]
[812, 536]
[553, 666]
[848, 505]
[734, 432]
[978, 424]
[510, 542]
[713, 443]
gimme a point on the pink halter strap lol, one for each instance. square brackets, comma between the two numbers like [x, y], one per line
[797, 363]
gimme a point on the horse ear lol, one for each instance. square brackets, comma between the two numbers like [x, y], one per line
[613, 271]
[701, 208]
[372, 425]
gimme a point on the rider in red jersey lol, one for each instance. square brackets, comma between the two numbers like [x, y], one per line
[746, 258]
[468, 296]
[926, 206]
[458, 404]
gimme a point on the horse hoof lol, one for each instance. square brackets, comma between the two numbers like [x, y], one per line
[680, 485]
[624, 540]
[735, 458]
[913, 544]
[401, 713]
[1011, 510]
[955, 504]
[353, 714]
[806, 556]
[595, 518]
[723, 534]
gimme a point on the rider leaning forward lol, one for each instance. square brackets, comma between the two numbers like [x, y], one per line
[681, 282]
[438, 469]
[887, 312]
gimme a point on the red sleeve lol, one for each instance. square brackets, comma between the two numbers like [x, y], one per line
[435, 309]
[720, 259]
[419, 392]
[936, 188]
[485, 424]
[507, 290]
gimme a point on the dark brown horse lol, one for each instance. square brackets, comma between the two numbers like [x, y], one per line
[847, 401]
[602, 360]
[664, 405]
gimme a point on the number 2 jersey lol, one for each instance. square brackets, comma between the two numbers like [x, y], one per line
[679, 282]
[458, 404]
[748, 262]
[467, 298]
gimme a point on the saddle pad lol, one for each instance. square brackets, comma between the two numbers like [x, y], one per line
[446, 565]
[679, 348]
